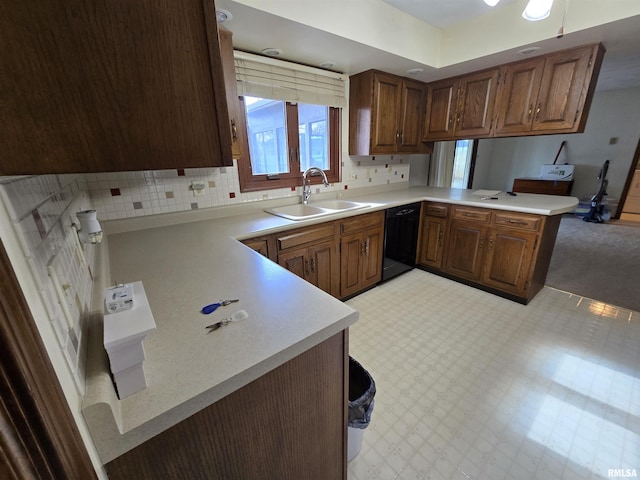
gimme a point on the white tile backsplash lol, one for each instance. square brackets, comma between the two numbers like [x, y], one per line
[42, 209]
[130, 194]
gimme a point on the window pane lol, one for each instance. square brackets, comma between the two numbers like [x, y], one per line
[314, 137]
[461, 164]
[267, 135]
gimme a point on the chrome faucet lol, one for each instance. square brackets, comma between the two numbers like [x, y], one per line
[306, 188]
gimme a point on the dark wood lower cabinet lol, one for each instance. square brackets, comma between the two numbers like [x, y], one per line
[505, 253]
[290, 423]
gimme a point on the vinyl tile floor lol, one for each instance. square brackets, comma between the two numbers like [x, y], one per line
[473, 386]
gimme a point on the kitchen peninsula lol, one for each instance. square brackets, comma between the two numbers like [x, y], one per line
[244, 391]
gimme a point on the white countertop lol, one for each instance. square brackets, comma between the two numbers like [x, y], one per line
[186, 264]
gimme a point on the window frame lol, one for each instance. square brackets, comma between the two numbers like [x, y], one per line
[252, 183]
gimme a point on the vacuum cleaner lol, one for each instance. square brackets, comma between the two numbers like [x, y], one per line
[597, 212]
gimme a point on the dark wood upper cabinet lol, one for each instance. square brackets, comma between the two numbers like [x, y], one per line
[442, 101]
[567, 85]
[551, 94]
[237, 126]
[518, 96]
[385, 114]
[544, 95]
[475, 105]
[461, 107]
[91, 86]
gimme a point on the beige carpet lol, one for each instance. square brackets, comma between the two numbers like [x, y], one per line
[597, 260]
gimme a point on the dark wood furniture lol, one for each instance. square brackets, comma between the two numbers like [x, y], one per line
[548, 95]
[385, 114]
[545, 95]
[291, 423]
[312, 254]
[461, 107]
[342, 257]
[361, 248]
[546, 187]
[503, 252]
[112, 86]
[434, 225]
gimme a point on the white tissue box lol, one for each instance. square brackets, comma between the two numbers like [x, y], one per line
[126, 356]
[123, 335]
[118, 298]
[130, 381]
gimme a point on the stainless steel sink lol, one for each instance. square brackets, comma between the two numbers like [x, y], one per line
[317, 209]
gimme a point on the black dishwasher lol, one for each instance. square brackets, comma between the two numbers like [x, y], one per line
[400, 239]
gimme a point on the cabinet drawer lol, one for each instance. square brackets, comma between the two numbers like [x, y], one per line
[436, 210]
[299, 237]
[362, 222]
[472, 214]
[527, 222]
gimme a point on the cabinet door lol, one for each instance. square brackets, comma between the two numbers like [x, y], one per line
[509, 256]
[432, 238]
[323, 269]
[372, 261]
[236, 125]
[561, 90]
[441, 109]
[351, 257]
[475, 106]
[517, 95]
[111, 86]
[466, 249]
[411, 117]
[385, 116]
[295, 261]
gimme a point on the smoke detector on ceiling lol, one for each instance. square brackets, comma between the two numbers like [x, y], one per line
[272, 52]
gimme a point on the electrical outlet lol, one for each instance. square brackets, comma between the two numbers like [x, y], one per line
[197, 188]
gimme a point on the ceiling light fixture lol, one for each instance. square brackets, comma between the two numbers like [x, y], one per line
[272, 52]
[491, 3]
[223, 15]
[327, 64]
[537, 10]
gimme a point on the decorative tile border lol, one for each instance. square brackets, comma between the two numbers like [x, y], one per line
[131, 194]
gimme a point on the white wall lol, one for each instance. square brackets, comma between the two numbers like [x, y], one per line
[613, 114]
[35, 217]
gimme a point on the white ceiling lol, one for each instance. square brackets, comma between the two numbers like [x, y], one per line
[445, 13]
[255, 29]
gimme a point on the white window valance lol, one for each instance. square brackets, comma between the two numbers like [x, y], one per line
[276, 79]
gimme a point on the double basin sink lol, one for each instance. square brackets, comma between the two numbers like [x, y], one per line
[300, 211]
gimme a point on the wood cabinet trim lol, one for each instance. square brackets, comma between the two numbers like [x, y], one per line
[472, 214]
[361, 222]
[305, 235]
[517, 220]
